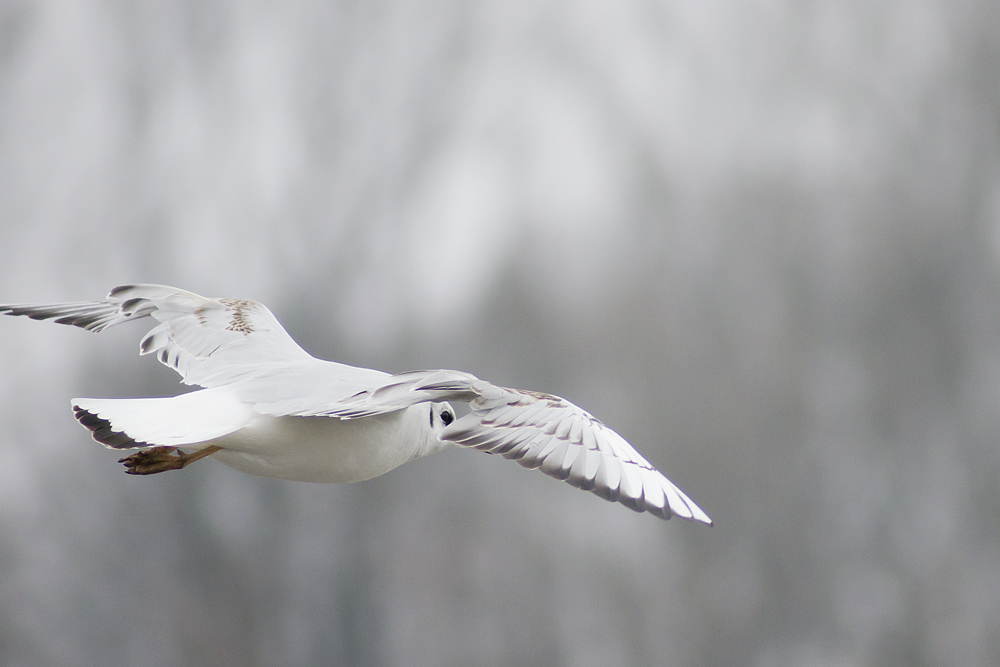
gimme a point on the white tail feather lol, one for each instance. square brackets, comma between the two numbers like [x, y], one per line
[199, 416]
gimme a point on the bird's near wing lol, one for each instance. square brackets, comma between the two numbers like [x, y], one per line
[536, 430]
[210, 342]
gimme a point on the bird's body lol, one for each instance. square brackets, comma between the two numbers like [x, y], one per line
[306, 449]
[321, 449]
[268, 408]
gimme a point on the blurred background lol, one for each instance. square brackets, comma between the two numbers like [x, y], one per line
[760, 240]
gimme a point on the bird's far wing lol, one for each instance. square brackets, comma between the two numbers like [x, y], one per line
[210, 342]
[538, 431]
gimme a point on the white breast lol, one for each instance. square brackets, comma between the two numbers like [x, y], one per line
[327, 449]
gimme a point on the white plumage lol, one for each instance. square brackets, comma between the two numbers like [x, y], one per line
[269, 408]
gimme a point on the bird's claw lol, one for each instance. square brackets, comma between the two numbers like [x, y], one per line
[160, 459]
[153, 460]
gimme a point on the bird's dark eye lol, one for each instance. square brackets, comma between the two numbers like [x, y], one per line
[447, 417]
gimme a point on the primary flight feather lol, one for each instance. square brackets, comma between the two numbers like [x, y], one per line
[269, 408]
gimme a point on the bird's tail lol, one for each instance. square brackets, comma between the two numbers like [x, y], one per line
[132, 423]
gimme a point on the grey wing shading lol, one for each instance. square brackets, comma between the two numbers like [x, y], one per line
[210, 342]
[538, 431]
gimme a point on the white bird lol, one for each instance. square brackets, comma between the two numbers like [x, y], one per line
[269, 408]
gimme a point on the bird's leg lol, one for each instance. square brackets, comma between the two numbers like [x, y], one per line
[160, 459]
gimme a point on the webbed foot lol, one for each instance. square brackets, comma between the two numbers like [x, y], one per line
[160, 459]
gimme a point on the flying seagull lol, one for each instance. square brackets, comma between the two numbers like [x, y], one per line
[269, 408]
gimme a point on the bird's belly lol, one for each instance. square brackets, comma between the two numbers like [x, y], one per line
[319, 449]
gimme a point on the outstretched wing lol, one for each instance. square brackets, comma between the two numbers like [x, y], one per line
[538, 431]
[210, 342]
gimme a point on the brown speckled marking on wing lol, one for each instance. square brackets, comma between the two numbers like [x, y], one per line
[238, 323]
[541, 396]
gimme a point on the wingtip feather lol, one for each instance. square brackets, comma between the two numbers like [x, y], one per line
[101, 429]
